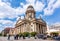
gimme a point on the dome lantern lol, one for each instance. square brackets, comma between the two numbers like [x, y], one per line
[30, 12]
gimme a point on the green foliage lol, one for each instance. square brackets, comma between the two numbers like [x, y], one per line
[33, 34]
[20, 34]
[0, 34]
[26, 34]
[54, 33]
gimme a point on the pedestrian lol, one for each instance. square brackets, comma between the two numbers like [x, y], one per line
[35, 37]
[17, 36]
[23, 37]
[29, 36]
[8, 36]
[14, 37]
[20, 36]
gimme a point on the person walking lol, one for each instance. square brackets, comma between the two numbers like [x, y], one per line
[14, 37]
[8, 36]
[17, 36]
[23, 37]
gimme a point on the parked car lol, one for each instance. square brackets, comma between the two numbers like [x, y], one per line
[56, 38]
[42, 36]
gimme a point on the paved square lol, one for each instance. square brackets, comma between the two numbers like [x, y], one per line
[28, 39]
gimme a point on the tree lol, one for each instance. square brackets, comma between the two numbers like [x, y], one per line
[54, 33]
[0, 34]
[33, 34]
[20, 34]
[26, 34]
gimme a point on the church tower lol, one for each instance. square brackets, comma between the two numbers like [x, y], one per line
[30, 13]
[30, 23]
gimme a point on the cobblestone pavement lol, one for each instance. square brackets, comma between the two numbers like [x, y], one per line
[27, 39]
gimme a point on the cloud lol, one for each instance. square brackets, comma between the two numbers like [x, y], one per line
[38, 5]
[30, 1]
[57, 4]
[7, 11]
[7, 23]
[52, 5]
[57, 24]
[11, 13]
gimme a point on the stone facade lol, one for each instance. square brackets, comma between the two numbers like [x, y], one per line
[12, 31]
[30, 23]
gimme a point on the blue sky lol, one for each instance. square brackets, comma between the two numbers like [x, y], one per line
[10, 10]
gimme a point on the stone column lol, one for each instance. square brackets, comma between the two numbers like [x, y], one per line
[43, 30]
[16, 30]
[35, 29]
[40, 29]
[20, 29]
[24, 27]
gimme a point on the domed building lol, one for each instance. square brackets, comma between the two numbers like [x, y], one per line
[30, 23]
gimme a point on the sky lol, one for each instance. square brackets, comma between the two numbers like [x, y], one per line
[11, 10]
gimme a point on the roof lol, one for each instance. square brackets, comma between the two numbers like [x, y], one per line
[7, 28]
[33, 20]
[30, 6]
[53, 30]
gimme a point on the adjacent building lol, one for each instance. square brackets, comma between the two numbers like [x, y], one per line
[53, 28]
[12, 31]
[6, 31]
